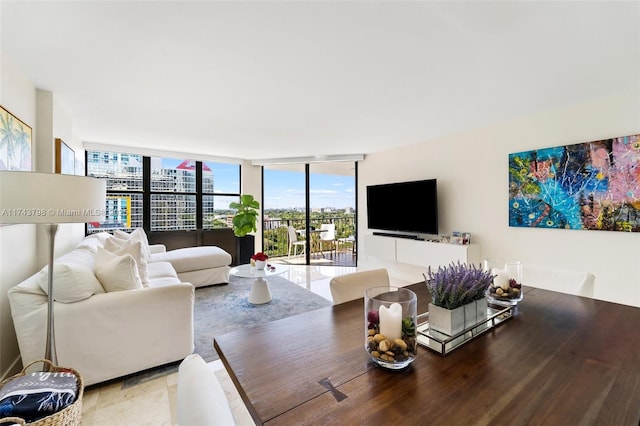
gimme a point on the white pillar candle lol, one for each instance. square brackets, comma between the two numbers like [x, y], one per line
[391, 321]
[501, 279]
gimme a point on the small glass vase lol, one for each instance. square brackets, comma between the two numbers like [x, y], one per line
[506, 288]
[390, 326]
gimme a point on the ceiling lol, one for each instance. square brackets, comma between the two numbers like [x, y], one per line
[274, 79]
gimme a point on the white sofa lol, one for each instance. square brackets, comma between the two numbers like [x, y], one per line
[117, 311]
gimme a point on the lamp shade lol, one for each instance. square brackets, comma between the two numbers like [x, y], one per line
[29, 197]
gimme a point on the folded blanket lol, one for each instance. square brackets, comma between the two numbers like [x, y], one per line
[37, 395]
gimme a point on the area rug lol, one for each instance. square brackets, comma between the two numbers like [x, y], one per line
[222, 309]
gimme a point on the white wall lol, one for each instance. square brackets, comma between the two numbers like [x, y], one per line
[17, 242]
[24, 248]
[472, 174]
[53, 122]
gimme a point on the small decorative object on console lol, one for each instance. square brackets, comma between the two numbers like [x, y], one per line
[462, 238]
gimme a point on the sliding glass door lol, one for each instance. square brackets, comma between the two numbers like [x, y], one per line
[310, 213]
[285, 213]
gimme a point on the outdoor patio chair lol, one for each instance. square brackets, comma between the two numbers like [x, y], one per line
[294, 243]
[328, 236]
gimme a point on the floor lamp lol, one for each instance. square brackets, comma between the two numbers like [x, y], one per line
[50, 199]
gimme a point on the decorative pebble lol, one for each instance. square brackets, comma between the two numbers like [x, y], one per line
[401, 344]
[511, 292]
[385, 345]
[379, 337]
[397, 351]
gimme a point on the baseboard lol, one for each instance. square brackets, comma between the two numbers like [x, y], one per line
[14, 368]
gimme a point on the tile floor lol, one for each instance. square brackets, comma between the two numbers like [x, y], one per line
[154, 402]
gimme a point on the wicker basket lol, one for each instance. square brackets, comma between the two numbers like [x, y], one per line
[69, 416]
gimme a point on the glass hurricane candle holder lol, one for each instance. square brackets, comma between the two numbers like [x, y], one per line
[390, 326]
[506, 288]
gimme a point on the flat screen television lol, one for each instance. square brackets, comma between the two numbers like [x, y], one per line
[404, 207]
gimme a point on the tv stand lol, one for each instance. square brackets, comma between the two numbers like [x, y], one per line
[405, 236]
[419, 253]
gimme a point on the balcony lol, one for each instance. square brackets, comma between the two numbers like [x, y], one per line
[276, 241]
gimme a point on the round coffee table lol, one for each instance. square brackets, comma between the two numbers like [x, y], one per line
[260, 292]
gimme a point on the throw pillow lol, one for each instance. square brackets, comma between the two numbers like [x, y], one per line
[117, 273]
[89, 244]
[134, 248]
[71, 283]
[121, 234]
[138, 234]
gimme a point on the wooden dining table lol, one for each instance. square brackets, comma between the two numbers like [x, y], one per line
[560, 360]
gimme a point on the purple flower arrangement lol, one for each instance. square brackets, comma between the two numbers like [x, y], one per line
[457, 284]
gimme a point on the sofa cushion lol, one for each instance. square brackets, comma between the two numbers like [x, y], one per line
[161, 270]
[134, 248]
[201, 399]
[162, 281]
[71, 282]
[194, 258]
[162, 273]
[117, 272]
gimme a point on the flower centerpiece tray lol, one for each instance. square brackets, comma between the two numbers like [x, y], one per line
[443, 344]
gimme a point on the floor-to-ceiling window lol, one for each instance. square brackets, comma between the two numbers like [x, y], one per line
[319, 201]
[332, 204]
[284, 211]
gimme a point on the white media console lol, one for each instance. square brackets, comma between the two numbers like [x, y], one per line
[419, 252]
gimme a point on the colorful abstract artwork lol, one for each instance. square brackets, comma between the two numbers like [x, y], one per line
[591, 186]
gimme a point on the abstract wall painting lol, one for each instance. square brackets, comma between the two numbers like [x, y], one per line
[589, 186]
[15, 142]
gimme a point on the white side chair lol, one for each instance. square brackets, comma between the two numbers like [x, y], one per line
[328, 235]
[578, 283]
[345, 288]
[294, 243]
[200, 398]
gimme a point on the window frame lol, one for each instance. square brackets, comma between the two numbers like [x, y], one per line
[147, 192]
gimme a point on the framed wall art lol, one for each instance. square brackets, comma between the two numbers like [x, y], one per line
[15, 142]
[65, 158]
[589, 186]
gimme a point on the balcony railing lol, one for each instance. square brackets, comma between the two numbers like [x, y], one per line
[276, 237]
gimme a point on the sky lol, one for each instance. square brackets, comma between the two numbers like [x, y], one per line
[285, 189]
[226, 175]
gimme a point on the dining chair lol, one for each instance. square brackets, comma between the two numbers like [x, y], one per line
[328, 235]
[345, 288]
[578, 283]
[294, 243]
